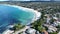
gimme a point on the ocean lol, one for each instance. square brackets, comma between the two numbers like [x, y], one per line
[11, 15]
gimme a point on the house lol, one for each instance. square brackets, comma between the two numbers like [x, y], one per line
[50, 28]
[30, 31]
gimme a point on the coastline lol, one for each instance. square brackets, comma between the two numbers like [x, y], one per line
[37, 14]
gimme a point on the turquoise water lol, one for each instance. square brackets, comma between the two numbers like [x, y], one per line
[10, 15]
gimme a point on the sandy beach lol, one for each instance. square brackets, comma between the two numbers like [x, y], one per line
[37, 14]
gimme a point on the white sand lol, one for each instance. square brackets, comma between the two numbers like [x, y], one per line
[37, 14]
[8, 32]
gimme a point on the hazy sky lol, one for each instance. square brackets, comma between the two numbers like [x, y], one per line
[28, 0]
[14, 0]
[57, 0]
[3, 0]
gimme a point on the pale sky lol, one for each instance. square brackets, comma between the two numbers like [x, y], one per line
[28, 0]
[14, 0]
[57, 0]
[3, 0]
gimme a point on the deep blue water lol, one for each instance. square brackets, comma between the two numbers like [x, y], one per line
[10, 15]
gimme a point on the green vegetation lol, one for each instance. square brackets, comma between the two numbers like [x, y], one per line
[50, 8]
[38, 24]
[18, 27]
[58, 27]
[53, 33]
[20, 32]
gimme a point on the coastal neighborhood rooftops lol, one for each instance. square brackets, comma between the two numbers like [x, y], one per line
[51, 28]
[55, 18]
[30, 30]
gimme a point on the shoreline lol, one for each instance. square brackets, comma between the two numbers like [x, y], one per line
[36, 15]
